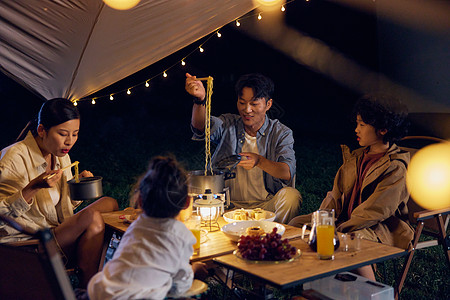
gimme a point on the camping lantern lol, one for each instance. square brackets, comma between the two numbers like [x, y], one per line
[209, 209]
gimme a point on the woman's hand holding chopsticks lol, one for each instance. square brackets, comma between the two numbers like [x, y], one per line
[45, 180]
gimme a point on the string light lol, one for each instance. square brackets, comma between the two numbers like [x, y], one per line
[182, 62]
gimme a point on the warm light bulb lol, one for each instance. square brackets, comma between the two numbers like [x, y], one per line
[75, 103]
[259, 17]
[93, 101]
[165, 74]
[219, 34]
[428, 176]
[283, 8]
[129, 92]
[147, 84]
[121, 4]
[237, 23]
[201, 49]
[183, 63]
[111, 97]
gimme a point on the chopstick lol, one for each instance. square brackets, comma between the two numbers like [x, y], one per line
[203, 78]
[69, 166]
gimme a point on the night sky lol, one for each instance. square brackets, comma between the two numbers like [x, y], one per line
[309, 103]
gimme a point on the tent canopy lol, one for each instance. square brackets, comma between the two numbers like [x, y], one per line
[73, 48]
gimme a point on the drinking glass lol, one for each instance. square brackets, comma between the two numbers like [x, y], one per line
[325, 234]
[194, 225]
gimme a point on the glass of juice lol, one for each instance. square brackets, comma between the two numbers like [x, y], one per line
[194, 225]
[325, 234]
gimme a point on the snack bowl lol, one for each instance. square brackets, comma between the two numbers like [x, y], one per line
[228, 216]
[234, 230]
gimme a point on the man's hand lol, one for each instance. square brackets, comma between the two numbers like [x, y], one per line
[249, 160]
[195, 87]
[276, 169]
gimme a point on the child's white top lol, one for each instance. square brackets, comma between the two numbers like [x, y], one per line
[152, 261]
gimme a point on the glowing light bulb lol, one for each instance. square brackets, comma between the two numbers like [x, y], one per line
[219, 34]
[147, 84]
[121, 4]
[183, 63]
[111, 97]
[237, 23]
[75, 103]
[201, 49]
[128, 92]
[165, 74]
[428, 176]
[259, 17]
[283, 8]
[93, 101]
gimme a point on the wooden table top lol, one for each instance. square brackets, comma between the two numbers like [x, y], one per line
[216, 244]
[308, 266]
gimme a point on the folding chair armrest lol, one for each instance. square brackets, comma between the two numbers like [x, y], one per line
[32, 242]
[428, 214]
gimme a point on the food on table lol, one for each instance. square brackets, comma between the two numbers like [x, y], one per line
[240, 215]
[258, 214]
[266, 247]
[131, 214]
[135, 214]
[255, 214]
[255, 231]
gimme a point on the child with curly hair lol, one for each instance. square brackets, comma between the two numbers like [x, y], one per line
[369, 194]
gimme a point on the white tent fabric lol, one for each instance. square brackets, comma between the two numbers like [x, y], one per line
[73, 48]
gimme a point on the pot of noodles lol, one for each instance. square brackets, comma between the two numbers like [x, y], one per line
[214, 179]
[86, 188]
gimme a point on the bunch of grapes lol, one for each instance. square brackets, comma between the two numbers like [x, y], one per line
[266, 247]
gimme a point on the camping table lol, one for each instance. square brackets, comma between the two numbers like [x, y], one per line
[308, 267]
[216, 244]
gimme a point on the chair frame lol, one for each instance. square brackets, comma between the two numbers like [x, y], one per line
[423, 219]
[49, 261]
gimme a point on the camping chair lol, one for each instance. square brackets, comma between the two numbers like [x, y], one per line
[432, 223]
[31, 274]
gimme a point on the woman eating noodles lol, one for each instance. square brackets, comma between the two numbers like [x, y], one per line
[34, 189]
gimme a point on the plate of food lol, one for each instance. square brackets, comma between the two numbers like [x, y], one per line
[131, 215]
[256, 214]
[296, 255]
[269, 248]
[234, 230]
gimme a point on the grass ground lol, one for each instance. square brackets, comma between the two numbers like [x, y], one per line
[119, 150]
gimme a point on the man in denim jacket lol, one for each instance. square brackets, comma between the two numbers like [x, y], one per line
[267, 168]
